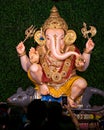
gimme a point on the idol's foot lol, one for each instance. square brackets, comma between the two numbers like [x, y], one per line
[72, 102]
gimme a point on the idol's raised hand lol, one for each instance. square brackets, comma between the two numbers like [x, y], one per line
[89, 45]
[20, 48]
[33, 55]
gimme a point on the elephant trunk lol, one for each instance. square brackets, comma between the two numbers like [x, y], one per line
[55, 49]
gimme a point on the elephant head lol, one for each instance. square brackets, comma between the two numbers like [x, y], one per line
[55, 43]
[54, 28]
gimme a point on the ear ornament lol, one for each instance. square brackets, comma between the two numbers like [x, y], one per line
[39, 37]
[70, 37]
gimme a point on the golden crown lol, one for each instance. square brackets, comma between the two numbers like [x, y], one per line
[55, 21]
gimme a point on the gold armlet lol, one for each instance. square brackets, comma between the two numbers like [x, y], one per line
[87, 52]
[22, 54]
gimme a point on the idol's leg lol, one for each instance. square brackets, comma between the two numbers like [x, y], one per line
[77, 90]
[36, 73]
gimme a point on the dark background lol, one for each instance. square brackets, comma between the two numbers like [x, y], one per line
[17, 15]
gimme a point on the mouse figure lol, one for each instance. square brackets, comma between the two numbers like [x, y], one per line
[23, 97]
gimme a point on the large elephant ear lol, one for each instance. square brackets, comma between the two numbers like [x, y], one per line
[39, 37]
[70, 37]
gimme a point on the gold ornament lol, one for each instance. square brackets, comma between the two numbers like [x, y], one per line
[39, 37]
[56, 77]
[86, 32]
[55, 21]
[29, 32]
[70, 37]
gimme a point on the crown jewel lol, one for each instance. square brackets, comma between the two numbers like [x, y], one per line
[55, 21]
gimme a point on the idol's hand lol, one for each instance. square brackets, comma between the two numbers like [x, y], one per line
[89, 46]
[20, 48]
[33, 55]
[80, 62]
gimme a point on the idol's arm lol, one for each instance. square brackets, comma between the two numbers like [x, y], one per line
[83, 61]
[25, 62]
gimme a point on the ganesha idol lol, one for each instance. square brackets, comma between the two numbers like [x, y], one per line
[53, 63]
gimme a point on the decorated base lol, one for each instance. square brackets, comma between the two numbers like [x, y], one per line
[89, 117]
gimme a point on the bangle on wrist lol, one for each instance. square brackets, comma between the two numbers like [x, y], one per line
[33, 61]
[87, 52]
[22, 54]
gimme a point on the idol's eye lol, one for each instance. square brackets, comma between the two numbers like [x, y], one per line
[47, 38]
[62, 38]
